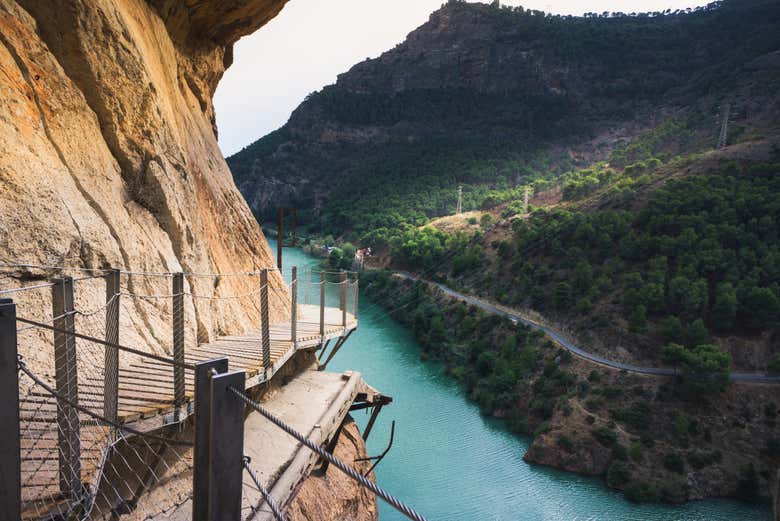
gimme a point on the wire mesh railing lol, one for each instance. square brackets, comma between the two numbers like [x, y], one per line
[108, 359]
[76, 464]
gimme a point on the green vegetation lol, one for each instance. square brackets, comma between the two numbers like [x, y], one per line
[700, 258]
[704, 368]
[650, 242]
[491, 357]
[425, 141]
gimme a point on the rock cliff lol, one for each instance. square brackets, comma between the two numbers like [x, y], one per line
[110, 157]
[334, 496]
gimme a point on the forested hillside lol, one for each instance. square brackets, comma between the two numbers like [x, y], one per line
[495, 98]
[649, 146]
[644, 261]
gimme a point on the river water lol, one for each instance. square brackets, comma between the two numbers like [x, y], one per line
[453, 464]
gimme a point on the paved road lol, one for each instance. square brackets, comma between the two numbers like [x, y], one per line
[566, 344]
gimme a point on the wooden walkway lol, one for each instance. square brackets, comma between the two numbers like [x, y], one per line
[146, 390]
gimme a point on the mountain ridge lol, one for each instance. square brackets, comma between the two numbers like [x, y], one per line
[527, 94]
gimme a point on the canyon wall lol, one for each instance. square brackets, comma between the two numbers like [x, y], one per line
[110, 157]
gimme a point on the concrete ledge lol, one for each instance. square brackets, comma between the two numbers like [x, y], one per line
[315, 403]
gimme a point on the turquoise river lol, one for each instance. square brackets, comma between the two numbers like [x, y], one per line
[453, 464]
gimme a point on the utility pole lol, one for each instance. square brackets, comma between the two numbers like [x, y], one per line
[294, 227]
[279, 236]
[460, 201]
[526, 197]
[724, 126]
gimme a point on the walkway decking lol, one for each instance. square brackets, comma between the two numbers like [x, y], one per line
[146, 390]
[314, 403]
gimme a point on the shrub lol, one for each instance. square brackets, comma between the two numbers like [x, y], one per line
[641, 492]
[774, 364]
[674, 462]
[541, 429]
[486, 221]
[619, 452]
[605, 436]
[518, 423]
[704, 369]
[675, 492]
[593, 404]
[699, 459]
[635, 452]
[618, 474]
[748, 484]
[565, 443]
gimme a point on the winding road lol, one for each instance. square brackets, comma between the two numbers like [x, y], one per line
[568, 345]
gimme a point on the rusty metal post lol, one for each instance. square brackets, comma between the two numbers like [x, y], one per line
[357, 291]
[10, 459]
[279, 236]
[294, 306]
[201, 457]
[226, 447]
[322, 306]
[178, 344]
[66, 378]
[294, 227]
[111, 357]
[265, 334]
[343, 297]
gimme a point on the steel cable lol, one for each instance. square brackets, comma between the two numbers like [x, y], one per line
[120, 428]
[272, 504]
[346, 469]
[138, 352]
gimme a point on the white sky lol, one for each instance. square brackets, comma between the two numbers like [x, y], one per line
[312, 41]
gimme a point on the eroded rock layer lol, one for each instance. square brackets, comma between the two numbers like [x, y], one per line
[109, 151]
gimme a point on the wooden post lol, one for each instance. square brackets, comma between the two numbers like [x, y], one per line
[178, 344]
[226, 447]
[279, 237]
[294, 306]
[322, 306]
[357, 291]
[200, 471]
[265, 334]
[343, 297]
[306, 285]
[10, 462]
[66, 378]
[111, 358]
[294, 227]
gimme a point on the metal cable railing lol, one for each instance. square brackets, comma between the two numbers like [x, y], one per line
[98, 469]
[270, 501]
[107, 343]
[346, 469]
[70, 377]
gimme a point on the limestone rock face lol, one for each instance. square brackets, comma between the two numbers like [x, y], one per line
[109, 151]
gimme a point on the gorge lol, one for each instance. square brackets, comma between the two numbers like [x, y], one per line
[618, 176]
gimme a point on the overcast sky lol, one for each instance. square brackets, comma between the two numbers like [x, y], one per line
[312, 41]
